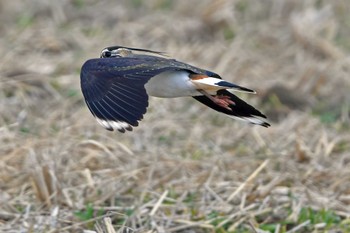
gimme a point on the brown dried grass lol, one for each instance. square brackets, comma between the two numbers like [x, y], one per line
[183, 162]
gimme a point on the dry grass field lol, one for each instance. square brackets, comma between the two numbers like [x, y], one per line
[186, 168]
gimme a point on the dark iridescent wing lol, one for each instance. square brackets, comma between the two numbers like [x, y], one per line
[239, 110]
[170, 64]
[114, 90]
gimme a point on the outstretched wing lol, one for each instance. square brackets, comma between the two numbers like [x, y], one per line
[238, 109]
[114, 90]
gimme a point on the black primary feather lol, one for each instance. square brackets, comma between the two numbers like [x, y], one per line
[239, 109]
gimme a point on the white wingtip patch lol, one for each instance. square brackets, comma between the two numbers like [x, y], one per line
[253, 120]
[121, 126]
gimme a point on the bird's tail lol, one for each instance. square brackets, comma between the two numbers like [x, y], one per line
[235, 108]
[209, 83]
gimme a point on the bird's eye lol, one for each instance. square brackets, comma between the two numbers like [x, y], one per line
[106, 54]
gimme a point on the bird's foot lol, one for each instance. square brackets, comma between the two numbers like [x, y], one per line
[223, 101]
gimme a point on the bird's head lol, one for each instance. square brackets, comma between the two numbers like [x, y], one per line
[120, 51]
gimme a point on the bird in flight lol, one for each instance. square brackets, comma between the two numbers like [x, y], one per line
[116, 87]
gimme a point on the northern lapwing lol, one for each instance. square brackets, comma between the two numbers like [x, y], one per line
[116, 87]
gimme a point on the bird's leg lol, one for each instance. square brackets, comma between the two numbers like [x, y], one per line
[221, 100]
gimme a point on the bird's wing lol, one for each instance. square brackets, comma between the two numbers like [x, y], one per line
[114, 90]
[236, 108]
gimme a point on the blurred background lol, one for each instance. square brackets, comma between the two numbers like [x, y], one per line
[185, 168]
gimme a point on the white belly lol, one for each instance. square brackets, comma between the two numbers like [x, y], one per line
[171, 84]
